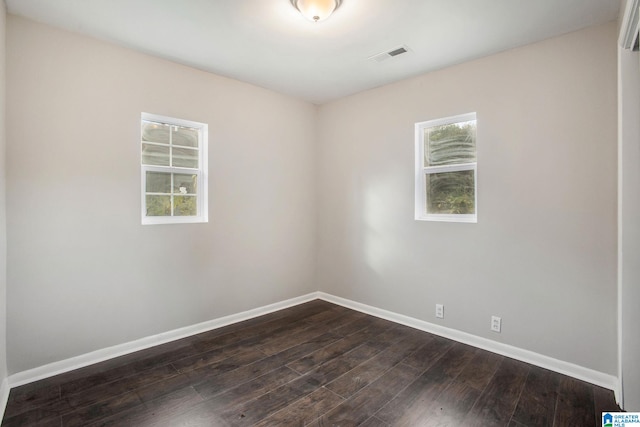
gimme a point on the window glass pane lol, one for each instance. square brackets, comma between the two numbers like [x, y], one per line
[158, 182]
[155, 132]
[451, 192]
[450, 144]
[155, 155]
[185, 206]
[184, 184]
[187, 137]
[185, 158]
[158, 205]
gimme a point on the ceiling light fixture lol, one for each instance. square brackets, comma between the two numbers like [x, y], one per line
[316, 10]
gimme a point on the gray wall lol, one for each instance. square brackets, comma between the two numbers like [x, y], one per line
[543, 253]
[83, 273]
[3, 199]
[629, 225]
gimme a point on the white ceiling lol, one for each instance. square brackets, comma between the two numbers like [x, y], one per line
[268, 43]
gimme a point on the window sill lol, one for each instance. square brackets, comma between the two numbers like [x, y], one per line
[448, 218]
[173, 220]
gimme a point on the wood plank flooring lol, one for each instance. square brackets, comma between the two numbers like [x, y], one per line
[315, 364]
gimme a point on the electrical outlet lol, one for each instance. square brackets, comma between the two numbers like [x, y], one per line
[496, 323]
[440, 311]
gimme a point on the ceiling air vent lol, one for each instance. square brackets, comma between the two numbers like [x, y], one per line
[389, 54]
[398, 51]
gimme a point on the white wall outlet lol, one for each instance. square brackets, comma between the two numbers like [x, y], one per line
[496, 323]
[440, 311]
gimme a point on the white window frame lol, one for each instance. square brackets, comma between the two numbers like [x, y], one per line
[422, 171]
[201, 172]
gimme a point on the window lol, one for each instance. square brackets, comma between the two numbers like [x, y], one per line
[446, 169]
[174, 170]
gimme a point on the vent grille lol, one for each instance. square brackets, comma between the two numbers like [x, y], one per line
[398, 51]
[379, 57]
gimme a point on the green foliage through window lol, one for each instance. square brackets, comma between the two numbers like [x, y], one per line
[164, 189]
[451, 193]
[450, 144]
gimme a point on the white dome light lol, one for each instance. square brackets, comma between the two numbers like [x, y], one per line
[316, 10]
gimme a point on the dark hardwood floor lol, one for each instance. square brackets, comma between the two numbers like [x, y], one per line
[315, 364]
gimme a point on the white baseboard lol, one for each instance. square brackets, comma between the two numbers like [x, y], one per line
[594, 377]
[589, 375]
[101, 355]
[4, 396]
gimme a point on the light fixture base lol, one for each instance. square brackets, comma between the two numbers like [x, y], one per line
[316, 10]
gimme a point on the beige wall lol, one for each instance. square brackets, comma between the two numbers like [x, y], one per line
[543, 253]
[3, 204]
[84, 274]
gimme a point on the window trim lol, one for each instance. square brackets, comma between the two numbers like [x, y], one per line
[422, 171]
[201, 172]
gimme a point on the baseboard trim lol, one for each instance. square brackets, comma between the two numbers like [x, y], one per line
[589, 375]
[594, 377]
[101, 355]
[4, 396]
